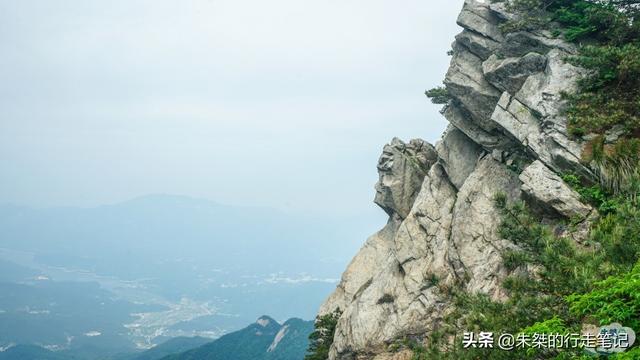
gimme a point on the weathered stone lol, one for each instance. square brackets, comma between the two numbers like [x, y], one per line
[542, 92]
[425, 233]
[475, 247]
[444, 239]
[520, 43]
[458, 155]
[402, 355]
[401, 168]
[548, 191]
[477, 17]
[415, 254]
[458, 117]
[616, 132]
[497, 155]
[546, 140]
[500, 10]
[518, 122]
[359, 274]
[466, 83]
[443, 223]
[510, 74]
[479, 45]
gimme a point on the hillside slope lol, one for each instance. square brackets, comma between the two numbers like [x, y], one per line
[266, 339]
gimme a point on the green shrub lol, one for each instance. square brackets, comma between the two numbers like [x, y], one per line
[610, 21]
[619, 235]
[617, 165]
[386, 299]
[633, 354]
[594, 195]
[556, 285]
[557, 293]
[438, 95]
[554, 325]
[321, 338]
[616, 299]
[609, 95]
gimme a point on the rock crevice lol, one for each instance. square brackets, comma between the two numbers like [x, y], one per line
[506, 135]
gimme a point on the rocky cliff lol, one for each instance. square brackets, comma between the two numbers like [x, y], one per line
[507, 135]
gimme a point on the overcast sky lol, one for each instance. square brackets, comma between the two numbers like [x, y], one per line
[280, 103]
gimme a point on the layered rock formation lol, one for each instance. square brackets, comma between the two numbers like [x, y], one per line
[506, 135]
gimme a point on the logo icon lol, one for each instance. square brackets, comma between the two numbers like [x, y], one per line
[610, 339]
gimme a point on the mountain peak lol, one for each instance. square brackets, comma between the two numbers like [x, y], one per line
[263, 340]
[266, 321]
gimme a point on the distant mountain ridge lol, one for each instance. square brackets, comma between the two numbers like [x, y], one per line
[172, 346]
[265, 339]
[194, 267]
[33, 352]
[146, 228]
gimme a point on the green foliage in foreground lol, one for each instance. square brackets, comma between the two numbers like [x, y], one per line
[594, 194]
[556, 284]
[616, 299]
[322, 337]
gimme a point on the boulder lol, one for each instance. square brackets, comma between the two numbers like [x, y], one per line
[476, 16]
[477, 44]
[458, 155]
[466, 83]
[551, 193]
[510, 74]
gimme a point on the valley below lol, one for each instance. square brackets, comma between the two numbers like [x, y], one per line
[114, 280]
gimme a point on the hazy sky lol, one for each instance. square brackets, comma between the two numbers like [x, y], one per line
[282, 103]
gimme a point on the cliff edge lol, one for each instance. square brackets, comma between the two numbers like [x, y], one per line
[506, 135]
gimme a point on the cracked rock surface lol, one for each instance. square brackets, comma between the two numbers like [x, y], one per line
[442, 231]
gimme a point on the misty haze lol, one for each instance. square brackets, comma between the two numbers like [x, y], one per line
[174, 171]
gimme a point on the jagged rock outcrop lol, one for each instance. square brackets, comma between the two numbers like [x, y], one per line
[544, 187]
[510, 74]
[506, 135]
[402, 168]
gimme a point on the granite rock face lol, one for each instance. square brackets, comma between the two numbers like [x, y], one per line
[402, 168]
[510, 74]
[546, 189]
[506, 135]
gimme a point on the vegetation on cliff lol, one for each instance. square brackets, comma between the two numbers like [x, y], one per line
[559, 285]
[322, 336]
[565, 270]
[609, 34]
